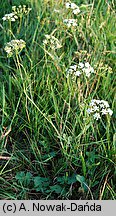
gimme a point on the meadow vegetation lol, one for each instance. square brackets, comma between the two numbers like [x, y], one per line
[57, 99]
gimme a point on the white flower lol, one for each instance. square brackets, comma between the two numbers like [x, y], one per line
[90, 110]
[70, 22]
[11, 16]
[104, 111]
[70, 71]
[110, 111]
[16, 12]
[77, 73]
[73, 70]
[4, 18]
[13, 19]
[80, 65]
[45, 41]
[87, 65]
[68, 5]
[98, 108]
[47, 36]
[8, 49]
[74, 67]
[96, 116]
[81, 68]
[92, 70]
[104, 103]
[87, 72]
[97, 101]
[88, 69]
[14, 8]
[76, 11]
[92, 102]
[73, 6]
[14, 46]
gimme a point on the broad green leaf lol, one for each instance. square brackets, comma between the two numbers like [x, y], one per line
[81, 179]
[72, 179]
[56, 188]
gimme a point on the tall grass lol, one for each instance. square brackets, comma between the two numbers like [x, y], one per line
[50, 148]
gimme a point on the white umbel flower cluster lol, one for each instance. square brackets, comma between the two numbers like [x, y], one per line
[81, 68]
[75, 9]
[16, 12]
[14, 46]
[73, 71]
[10, 17]
[70, 22]
[86, 68]
[98, 108]
[52, 42]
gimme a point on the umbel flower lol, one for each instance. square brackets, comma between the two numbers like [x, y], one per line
[99, 108]
[14, 46]
[75, 9]
[81, 68]
[21, 9]
[52, 42]
[16, 12]
[70, 22]
[11, 16]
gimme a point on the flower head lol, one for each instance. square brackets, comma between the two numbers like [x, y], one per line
[70, 22]
[14, 46]
[98, 108]
[75, 9]
[81, 65]
[96, 116]
[87, 69]
[11, 16]
[16, 12]
[21, 9]
[52, 42]
[81, 68]
[68, 5]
